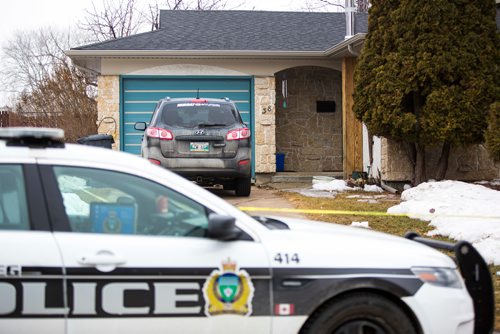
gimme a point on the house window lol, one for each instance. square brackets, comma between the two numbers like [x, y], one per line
[325, 106]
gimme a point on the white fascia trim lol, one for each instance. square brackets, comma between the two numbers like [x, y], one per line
[344, 45]
[195, 53]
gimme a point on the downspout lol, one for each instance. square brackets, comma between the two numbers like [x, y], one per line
[349, 24]
[349, 19]
[351, 50]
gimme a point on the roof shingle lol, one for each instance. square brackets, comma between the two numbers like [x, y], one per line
[239, 30]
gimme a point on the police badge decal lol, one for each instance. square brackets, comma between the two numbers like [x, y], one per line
[228, 291]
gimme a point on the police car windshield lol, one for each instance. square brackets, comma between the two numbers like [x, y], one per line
[192, 114]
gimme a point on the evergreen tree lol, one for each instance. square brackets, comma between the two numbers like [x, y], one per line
[426, 75]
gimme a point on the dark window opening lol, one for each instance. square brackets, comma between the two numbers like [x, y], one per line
[325, 106]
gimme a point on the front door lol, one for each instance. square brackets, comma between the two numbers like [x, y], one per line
[137, 259]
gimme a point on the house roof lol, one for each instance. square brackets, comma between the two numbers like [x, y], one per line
[239, 31]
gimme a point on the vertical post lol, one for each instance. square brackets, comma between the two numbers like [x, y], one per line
[352, 130]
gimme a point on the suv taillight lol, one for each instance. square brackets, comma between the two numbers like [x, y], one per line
[159, 133]
[238, 134]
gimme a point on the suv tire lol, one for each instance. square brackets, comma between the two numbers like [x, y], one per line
[243, 187]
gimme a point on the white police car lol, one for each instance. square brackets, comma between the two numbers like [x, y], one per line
[97, 241]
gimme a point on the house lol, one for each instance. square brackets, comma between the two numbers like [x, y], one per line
[290, 74]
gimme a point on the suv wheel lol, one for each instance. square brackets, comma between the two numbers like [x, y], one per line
[243, 187]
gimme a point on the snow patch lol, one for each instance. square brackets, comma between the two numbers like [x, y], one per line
[458, 210]
[373, 188]
[315, 193]
[360, 224]
[335, 185]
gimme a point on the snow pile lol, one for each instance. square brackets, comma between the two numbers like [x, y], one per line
[373, 188]
[457, 210]
[335, 185]
[327, 187]
[341, 185]
[315, 193]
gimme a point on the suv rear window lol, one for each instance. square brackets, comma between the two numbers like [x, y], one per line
[194, 114]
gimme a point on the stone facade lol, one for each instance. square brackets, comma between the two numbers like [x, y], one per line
[470, 163]
[311, 141]
[265, 124]
[108, 106]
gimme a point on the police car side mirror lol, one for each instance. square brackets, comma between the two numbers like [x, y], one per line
[140, 126]
[222, 227]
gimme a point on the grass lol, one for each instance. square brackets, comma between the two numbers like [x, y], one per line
[392, 225]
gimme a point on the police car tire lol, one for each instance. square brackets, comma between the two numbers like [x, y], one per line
[359, 307]
[243, 187]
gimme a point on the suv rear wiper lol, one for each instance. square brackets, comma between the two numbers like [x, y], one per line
[206, 125]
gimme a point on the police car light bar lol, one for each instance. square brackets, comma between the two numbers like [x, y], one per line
[33, 137]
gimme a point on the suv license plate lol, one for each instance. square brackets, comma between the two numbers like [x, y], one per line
[199, 147]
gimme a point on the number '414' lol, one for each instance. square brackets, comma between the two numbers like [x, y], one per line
[287, 258]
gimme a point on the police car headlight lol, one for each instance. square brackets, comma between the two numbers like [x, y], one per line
[445, 277]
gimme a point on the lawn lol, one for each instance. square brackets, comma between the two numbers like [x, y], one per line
[393, 225]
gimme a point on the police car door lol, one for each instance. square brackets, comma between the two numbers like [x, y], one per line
[31, 280]
[137, 259]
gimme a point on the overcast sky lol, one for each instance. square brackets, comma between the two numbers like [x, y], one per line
[31, 14]
[26, 14]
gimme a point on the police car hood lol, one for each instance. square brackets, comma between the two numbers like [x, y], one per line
[346, 246]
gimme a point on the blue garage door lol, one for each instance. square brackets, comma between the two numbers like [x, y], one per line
[139, 96]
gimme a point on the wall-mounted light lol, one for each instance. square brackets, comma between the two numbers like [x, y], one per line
[284, 90]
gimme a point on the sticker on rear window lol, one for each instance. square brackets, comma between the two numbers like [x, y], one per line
[180, 105]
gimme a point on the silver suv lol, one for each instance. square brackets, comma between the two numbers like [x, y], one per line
[203, 140]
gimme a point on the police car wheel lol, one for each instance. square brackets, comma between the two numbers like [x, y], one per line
[359, 313]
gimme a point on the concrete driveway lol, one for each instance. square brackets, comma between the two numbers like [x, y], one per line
[261, 198]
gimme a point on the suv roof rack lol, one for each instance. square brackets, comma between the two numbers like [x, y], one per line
[33, 137]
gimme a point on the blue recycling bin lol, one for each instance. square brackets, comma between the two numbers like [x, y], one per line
[280, 162]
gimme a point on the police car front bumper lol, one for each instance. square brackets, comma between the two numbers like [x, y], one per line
[479, 286]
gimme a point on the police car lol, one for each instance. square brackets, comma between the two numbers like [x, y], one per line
[97, 241]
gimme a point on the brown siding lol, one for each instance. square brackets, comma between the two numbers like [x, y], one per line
[352, 129]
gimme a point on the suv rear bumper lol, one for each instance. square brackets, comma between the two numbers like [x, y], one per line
[216, 168]
[214, 172]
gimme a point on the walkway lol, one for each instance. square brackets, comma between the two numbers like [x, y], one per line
[259, 197]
